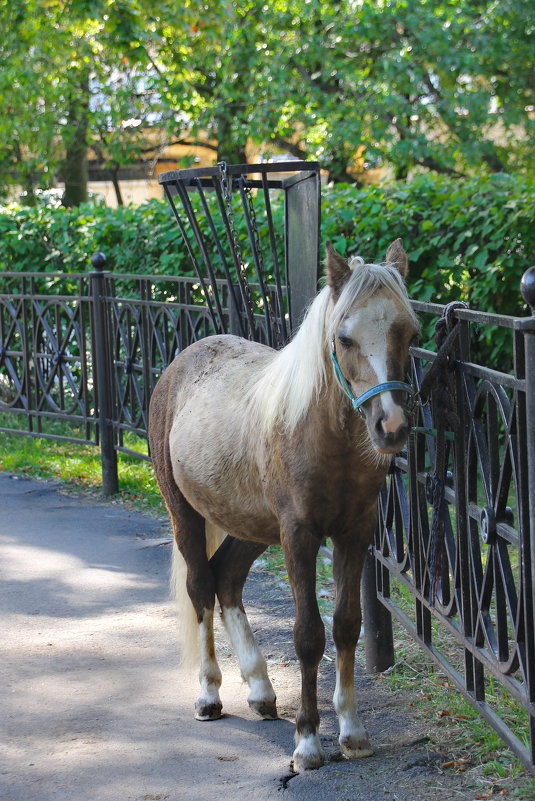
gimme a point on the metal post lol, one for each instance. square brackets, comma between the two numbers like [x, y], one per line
[378, 634]
[527, 288]
[302, 244]
[235, 310]
[102, 375]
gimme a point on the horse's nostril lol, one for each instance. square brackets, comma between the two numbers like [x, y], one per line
[388, 432]
[393, 424]
[379, 427]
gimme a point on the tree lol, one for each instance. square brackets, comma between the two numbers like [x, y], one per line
[71, 81]
[440, 85]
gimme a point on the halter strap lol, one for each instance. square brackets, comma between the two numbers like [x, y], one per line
[357, 402]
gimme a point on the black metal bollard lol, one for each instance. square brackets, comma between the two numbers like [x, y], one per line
[102, 375]
[378, 634]
[527, 289]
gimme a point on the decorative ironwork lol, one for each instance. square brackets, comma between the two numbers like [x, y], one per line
[209, 205]
[49, 348]
[484, 604]
[45, 354]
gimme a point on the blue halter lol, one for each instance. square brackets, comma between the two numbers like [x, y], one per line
[386, 386]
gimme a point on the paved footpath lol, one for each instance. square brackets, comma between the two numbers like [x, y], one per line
[93, 706]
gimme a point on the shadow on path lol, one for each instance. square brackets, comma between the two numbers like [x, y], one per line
[92, 702]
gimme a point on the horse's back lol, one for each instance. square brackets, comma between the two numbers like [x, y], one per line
[208, 361]
[200, 410]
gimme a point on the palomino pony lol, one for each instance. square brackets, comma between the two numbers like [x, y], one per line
[253, 446]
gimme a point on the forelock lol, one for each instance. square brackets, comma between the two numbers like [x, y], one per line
[365, 280]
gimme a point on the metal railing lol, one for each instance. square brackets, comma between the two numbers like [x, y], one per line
[475, 618]
[83, 352]
[79, 357]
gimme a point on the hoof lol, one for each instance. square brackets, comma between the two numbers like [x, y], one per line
[265, 709]
[204, 711]
[308, 755]
[356, 748]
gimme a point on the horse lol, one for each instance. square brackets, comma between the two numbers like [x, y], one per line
[253, 447]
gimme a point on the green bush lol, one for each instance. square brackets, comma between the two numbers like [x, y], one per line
[467, 239]
[141, 238]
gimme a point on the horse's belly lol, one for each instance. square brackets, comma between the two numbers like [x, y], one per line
[218, 476]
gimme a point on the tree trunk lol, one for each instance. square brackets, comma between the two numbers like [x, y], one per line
[75, 140]
[116, 185]
[228, 149]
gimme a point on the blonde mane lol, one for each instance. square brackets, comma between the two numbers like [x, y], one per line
[296, 375]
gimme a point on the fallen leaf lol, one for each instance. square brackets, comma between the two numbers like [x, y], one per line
[460, 764]
[444, 713]
[227, 758]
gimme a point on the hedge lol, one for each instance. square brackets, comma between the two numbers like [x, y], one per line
[468, 239]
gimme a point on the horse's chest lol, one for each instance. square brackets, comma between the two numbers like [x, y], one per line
[330, 492]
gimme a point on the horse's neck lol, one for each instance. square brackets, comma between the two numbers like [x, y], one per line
[332, 415]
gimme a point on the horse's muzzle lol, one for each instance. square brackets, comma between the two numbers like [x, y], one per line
[391, 443]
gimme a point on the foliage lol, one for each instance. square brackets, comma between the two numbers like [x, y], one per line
[468, 240]
[436, 85]
[69, 81]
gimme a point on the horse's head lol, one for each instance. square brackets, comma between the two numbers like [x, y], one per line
[371, 329]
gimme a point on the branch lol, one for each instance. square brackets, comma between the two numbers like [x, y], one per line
[190, 142]
[291, 147]
[432, 164]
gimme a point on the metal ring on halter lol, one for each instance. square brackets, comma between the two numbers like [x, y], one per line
[357, 402]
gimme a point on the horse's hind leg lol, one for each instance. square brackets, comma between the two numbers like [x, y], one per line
[231, 565]
[190, 536]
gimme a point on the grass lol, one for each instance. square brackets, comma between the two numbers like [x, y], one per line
[455, 726]
[78, 467]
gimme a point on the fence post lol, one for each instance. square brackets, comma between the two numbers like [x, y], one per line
[102, 376]
[302, 232]
[527, 288]
[378, 633]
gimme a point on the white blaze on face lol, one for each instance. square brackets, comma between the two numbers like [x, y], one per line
[369, 328]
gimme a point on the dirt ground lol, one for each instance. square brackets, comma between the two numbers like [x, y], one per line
[93, 705]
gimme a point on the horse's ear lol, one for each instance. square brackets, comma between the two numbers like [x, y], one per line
[396, 255]
[337, 269]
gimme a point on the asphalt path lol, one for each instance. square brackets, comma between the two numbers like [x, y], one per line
[93, 706]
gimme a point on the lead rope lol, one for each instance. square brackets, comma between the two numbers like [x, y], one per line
[438, 386]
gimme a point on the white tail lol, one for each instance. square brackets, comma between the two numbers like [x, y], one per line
[188, 627]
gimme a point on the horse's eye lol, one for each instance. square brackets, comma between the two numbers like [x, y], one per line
[345, 342]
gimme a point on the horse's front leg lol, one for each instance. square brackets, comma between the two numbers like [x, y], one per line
[300, 551]
[348, 558]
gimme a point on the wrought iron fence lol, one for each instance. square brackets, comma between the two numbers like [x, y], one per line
[87, 350]
[474, 615]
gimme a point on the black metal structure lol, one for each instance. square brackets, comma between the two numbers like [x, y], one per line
[87, 350]
[210, 203]
[472, 608]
